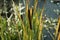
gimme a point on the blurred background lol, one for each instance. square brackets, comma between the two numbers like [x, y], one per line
[9, 9]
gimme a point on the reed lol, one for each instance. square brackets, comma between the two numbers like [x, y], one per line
[57, 28]
[36, 33]
[41, 23]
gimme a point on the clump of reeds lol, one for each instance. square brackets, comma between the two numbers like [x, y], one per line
[20, 29]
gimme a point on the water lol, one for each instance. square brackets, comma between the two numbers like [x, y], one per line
[49, 7]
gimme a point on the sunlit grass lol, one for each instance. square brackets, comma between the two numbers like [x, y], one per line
[35, 33]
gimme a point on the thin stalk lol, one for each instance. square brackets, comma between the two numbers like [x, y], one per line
[36, 15]
[26, 13]
[25, 36]
[31, 23]
[1, 29]
[40, 26]
[41, 23]
[35, 5]
[34, 11]
[56, 33]
[59, 36]
[2, 36]
[59, 29]
[27, 3]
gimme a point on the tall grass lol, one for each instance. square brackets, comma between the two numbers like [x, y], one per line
[57, 28]
[35, 33]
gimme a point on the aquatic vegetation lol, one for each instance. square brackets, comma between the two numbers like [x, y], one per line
[17, 27]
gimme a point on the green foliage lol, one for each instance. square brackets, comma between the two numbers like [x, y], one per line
[20, 30]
